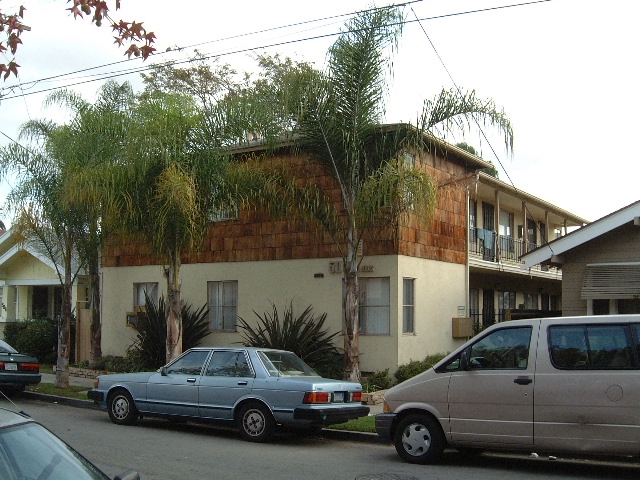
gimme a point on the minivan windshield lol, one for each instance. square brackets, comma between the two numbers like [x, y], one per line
[280, 363]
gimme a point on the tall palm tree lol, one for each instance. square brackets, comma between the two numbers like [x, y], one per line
[341, 129]
[173, 172]
[92, 145]
[42, 221]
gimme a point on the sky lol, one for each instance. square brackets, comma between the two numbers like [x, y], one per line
[565, 72]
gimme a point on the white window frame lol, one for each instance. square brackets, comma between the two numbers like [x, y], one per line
[139, 289]
[408, 305]
[374, 307]
[223, 309]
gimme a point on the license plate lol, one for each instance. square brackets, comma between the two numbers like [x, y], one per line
[338, 397]
[11, 366]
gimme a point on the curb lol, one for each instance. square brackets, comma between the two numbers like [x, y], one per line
[346, 435]
[72, 402]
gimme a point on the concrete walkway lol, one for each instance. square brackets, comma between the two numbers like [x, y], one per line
[76, 381]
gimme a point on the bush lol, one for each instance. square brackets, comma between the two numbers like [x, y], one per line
[415, 367]
[37, 337]
[149, 350]
[302, 335]
[378, 381]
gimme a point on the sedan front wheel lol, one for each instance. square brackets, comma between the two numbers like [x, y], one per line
[255, 422]
[122, 410]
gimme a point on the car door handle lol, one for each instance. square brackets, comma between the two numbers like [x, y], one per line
[523, 380]
[243, 382]
[191, 380]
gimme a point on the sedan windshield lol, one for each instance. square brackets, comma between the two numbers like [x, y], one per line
[31, 451]
[280, 363]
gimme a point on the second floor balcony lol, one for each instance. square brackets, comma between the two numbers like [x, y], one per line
[491, 247]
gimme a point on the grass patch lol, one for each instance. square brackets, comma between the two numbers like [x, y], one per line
[74, 391]
[363, 424]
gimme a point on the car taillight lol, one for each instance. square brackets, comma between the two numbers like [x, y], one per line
[356, 396]
[317, 397]
[29, 367]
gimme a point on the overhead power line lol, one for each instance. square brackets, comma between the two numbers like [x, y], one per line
[105, 76]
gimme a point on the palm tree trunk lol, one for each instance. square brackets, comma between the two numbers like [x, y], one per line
[351, 308]
[96, 328]
[174, 320]
[64, 346]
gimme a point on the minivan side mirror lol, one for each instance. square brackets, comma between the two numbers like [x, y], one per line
[464, 360]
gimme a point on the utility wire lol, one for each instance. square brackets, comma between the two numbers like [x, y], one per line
[105, 76]
[517, 191]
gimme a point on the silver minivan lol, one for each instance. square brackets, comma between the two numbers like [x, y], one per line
[549, 385]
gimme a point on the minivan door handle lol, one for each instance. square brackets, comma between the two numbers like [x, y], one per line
[523, 380]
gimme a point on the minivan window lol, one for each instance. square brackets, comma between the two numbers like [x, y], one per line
[591, 347]
[506, 348]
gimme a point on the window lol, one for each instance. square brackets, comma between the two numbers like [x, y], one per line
[591, 347]
[228, 364]
[408, 306]
[374, 306]
[506, 348]
[223, 304]
[506, 231]
[189, 364]
[139, 289]
[506, 301]
[531, 301]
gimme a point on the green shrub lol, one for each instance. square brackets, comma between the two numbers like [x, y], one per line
[12, 332]
[303, 335]
[149, 350]
[39, 338]
[379, 380]
[415, 367]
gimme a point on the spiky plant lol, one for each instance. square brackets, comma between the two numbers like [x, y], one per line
[150, 346]
[303, 335]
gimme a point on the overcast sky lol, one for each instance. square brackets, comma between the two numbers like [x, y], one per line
[565, 71]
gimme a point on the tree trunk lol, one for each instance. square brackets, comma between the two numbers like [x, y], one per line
[174, 313]
[351, 307]
[96, 327]
[64, 328]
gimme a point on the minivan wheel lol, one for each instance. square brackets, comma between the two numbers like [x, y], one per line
[122, 410]
[419, 439]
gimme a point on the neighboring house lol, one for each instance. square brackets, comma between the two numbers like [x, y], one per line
[600, 264]
[415, 285]
[30, 287]
[504, 224]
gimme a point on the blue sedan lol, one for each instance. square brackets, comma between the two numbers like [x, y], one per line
[256, 388]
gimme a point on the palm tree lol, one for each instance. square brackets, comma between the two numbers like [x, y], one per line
[174, 175]
[92, 145]
[340, 128]
[42, 221]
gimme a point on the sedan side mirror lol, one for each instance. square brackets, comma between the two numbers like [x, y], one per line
[163, 371]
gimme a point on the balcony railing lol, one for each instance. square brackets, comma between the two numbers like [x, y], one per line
[493, 247]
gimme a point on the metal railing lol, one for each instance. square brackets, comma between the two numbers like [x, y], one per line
[493, 247]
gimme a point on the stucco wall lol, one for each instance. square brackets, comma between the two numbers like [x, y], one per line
[300, 281]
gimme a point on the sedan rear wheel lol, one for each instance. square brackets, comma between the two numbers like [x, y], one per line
[122, 410]
[255, 422]
[419, 439]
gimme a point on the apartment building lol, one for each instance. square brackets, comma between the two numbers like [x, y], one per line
[416, 285]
